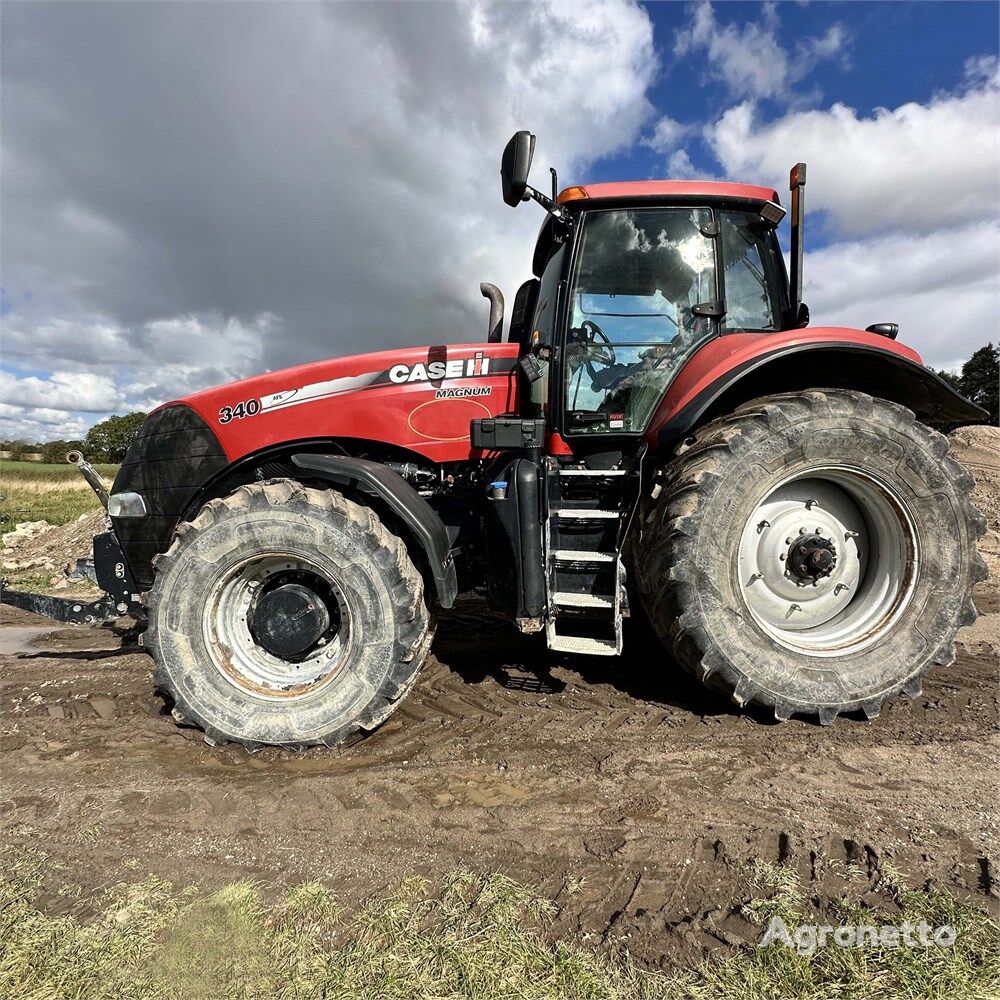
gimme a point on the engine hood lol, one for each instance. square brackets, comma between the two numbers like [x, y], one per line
[419, 398]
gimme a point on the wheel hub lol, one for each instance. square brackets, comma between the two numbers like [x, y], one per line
[288, 620]
[812, 557]
[826, 560]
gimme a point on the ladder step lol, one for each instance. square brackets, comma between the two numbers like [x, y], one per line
[591, 472]
[566, 599]
[580, 514]
[582, 644]
[574, 555]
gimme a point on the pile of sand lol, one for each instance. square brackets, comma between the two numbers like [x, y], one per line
[37, 547]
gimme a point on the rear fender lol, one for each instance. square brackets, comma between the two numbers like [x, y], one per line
[716, 382]
[393, 494]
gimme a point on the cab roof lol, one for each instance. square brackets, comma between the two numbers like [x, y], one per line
[629, 190]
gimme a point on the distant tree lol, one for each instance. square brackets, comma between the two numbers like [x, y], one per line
[18, 448]
[980, 380]
[109, 439]
[55, 451]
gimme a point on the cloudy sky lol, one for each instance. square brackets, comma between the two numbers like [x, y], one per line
[193, 192]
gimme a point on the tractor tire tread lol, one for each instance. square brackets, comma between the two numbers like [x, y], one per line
[668, 576]
[415, 630]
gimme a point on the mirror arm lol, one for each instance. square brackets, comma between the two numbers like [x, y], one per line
[550, 205]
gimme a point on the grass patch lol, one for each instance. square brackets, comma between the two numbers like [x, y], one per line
[51, 472]
[38, 492]
[477, 937]
[55, 506]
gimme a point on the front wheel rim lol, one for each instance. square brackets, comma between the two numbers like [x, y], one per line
[828, 560]
[238, 655]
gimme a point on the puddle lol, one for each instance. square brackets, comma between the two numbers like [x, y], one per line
[16, 639]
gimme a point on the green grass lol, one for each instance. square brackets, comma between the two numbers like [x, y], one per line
[40, 492]
[11, 471]
[476, 937]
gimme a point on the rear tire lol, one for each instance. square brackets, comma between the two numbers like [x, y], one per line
[220, 662]
[728, 563]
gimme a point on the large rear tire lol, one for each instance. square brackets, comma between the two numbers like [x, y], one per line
[813, 553]
[286, 616]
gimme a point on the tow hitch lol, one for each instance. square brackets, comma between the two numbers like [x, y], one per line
[121, 595]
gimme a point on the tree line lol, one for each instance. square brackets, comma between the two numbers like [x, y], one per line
[106, 441]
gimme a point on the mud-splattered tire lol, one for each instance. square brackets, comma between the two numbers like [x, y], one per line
[207, 659]
[749, 501]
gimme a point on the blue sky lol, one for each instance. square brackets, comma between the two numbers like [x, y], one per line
[192, 193]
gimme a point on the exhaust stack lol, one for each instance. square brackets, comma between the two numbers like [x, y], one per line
[797, 183]
[491, 292]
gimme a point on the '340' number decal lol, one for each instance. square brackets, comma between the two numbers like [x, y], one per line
[244, 408]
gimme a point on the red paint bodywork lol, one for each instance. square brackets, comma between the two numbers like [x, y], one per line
[407, 415]
[714, 190]
[722, 354]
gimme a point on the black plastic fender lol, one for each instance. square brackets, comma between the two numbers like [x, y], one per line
[426, 529]
[828, 365]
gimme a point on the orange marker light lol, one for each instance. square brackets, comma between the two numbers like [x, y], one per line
[572, 194]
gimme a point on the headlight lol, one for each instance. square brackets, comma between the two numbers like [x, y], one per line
[126, 505]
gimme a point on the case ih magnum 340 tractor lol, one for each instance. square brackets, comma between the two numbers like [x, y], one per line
[661, 429]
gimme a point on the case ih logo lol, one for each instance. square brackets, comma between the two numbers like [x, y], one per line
[435, 371]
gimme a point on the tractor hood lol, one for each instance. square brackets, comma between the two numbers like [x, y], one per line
[419, 398]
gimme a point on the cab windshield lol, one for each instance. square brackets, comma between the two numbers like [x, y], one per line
[640, 274]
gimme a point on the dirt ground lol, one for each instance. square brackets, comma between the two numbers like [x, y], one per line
[618, 787]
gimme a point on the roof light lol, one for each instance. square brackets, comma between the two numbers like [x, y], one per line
[772, 212]
[572, 194]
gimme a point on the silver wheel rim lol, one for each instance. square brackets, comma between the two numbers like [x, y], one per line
[249, 666]
[865, 525]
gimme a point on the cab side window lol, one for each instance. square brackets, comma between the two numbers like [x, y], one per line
[749, 274]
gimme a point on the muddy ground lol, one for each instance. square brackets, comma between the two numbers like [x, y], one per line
[618, 787]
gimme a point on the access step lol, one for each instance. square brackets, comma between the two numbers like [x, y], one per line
[579, 555]
[582, 514]
[567, 599]
[581, 644]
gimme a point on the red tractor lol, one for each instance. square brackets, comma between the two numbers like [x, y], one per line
[661, 429]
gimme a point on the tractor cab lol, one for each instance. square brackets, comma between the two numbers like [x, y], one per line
[631, 279]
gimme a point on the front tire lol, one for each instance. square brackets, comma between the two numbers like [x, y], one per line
[286, 616]
[813, 553]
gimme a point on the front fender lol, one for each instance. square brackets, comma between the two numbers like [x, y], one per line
[425, 529]
[735, 368]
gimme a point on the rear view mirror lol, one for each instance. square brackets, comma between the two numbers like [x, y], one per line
[514, 167]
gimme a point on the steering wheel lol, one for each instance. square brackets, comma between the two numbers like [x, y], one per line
[599, 350]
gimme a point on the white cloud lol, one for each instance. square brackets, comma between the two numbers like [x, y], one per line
[83, 391]
[667, 133]
[39, 424]
[916, 167]
[680, 167]
[942, 288]
[337, 169]
[750, 58]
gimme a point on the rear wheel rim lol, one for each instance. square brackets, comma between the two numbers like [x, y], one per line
[242, 660]
[828, 560]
